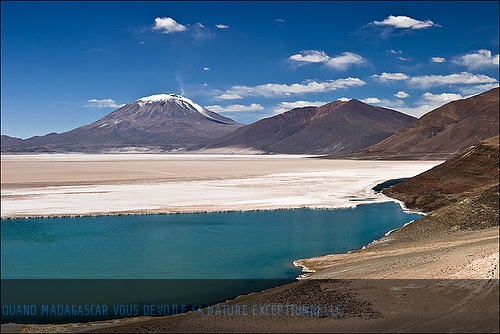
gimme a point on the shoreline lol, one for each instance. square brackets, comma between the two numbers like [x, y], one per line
[160, 212]
[306, 271]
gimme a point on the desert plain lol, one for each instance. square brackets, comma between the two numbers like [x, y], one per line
[447, 281]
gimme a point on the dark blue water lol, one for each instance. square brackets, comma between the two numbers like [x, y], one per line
[236, 245]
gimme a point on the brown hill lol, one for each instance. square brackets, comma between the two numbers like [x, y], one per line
[338, 126]
[441, 133]
[474, 170]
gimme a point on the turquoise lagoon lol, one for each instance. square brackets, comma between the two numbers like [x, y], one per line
[225, 245]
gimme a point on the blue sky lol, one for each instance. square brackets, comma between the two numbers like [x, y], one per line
[67, 64]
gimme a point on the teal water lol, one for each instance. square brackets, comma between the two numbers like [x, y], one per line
[228, 245]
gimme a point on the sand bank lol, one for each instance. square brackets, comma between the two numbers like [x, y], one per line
[78, 184]
[458, 255]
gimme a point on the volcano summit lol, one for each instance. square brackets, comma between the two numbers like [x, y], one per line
[163, 122]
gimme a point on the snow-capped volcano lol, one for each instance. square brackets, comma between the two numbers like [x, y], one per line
[160, 113]
[170, 97]
[180, 100]
[162, 121]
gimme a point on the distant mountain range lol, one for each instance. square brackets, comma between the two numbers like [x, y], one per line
[340, 129]
[441, 133]
[339, 126]
[164, 122]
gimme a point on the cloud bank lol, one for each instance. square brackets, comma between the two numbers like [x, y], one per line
[451, 79]
[425, 81]
[274, 90]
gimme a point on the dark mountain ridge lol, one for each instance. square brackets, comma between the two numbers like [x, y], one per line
[339, 126]
[441, 133]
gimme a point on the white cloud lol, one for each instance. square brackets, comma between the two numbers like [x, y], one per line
[222, 26]
[405, 59]
[461, 78]
[344, 61]
[300, 104]
[197, 31]
[385, 103]
[405, 22]
[341, 62]
[272, 90]
[402, 95]
[473, 90]
[215, 108]
[206, 69]
[429, 102]
[311, 56]
[235, 108]
[438, 60]
[425, 81]
[391, 76]
[394, 52]
[104, 103]
[168, 25]
[442, 98]
[285, 106]
[229, 97]
[477, 60]
[371, 100]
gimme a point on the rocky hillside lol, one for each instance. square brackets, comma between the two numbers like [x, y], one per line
[441, 133]
[461, 193]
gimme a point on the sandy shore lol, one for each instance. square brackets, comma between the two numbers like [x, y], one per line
[458, 255]
[77, 184]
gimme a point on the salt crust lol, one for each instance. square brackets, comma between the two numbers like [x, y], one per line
[311, 183]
